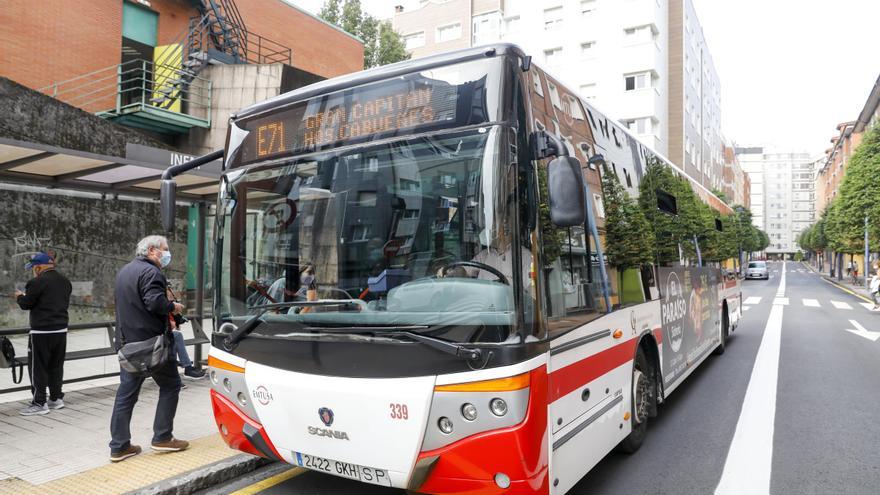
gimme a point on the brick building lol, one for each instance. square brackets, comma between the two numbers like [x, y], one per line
[55, 40]
[101, 96]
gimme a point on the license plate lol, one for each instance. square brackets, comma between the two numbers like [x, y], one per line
[344, 469]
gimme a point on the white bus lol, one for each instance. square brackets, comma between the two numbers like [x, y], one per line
[411, 282]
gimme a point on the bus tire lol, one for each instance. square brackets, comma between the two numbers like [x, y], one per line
[640, 404]
[725, 330]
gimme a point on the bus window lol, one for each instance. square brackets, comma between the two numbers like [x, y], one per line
[571, 286]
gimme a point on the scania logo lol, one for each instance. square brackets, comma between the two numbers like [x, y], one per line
[262, 395]
[326, 415]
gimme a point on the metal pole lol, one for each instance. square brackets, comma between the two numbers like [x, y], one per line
[200, 277]
[867, 284]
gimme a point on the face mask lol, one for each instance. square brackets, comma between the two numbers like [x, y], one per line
[306, 280]
[165, 258]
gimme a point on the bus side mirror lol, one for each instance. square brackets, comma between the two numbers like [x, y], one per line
[566, 188]
[167, 203]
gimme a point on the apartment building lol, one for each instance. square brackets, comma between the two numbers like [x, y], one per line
[844, 143]
[646, 62]
[782, 194]
[734, 182]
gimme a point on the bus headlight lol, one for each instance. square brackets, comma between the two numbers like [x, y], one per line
[498, 407]
[445, 425]
[469, 411]
[483, 405]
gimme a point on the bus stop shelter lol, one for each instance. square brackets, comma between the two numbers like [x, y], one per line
[53, 167]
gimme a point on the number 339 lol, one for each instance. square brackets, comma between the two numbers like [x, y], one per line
[399, 411]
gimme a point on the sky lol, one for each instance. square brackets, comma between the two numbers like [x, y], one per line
[790, 70]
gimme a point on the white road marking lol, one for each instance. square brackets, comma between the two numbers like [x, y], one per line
[813, 303]
[746, 308]
[781, 300]
[750, 458]
[863, 332]
[841, 305]
[868, 306]
[752, 300]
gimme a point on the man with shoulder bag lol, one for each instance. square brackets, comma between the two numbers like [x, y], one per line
[145, 348]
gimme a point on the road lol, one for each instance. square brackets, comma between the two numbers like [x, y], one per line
[792, 407]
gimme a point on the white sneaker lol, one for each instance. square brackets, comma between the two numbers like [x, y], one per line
[34, 410]
[56, 404]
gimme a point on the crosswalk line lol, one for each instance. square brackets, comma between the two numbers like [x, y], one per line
[781, 300]
[752, 300]
[811, 303]
[867, 306]
[746, 308]
[841, 305]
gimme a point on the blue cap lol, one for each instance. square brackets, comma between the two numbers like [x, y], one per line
[40, 258]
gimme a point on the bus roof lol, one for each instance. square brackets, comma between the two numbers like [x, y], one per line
[377, 74]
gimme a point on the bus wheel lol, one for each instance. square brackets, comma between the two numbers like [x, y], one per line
[725, 330]
[641, 404]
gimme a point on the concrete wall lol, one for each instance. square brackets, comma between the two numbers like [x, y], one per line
[93, 239]
[31, 116]
[236, 87]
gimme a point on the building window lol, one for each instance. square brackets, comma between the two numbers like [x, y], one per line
[588, 91]
[536, 81]
[553, 18]
[553, 55]
[588, 49]
[486, 28]
[638, 81]
[511, 25]
[640, 126]
[414, 40]
[588, 7]
[449, 33]
[639, 34]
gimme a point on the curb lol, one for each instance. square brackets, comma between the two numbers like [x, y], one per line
[847, 290]
[204, 477]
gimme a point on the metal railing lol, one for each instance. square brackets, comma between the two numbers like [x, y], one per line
[198, 340]
[136, 85]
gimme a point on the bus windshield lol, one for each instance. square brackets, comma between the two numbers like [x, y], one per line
[413, 232]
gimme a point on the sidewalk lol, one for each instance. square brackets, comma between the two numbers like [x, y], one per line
[66, 452]
[856, 290]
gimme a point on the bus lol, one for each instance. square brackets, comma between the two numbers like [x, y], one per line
[414, 286]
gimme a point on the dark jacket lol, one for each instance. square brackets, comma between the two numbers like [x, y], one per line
[142, 307]
[47, 296]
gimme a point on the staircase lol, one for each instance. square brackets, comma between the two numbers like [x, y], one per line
[167, 94]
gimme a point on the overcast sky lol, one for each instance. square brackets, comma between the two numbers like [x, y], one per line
[790, 70]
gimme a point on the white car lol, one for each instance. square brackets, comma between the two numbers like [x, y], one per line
[757, 269]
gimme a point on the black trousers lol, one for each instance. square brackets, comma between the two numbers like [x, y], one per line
[46, 364]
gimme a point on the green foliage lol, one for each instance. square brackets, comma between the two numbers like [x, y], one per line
[382, 44]
[629, 241]
[671, 232]
[552, 237]
[858, 197]
[721, 195]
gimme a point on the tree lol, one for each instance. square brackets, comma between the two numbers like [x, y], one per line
[721, 195]
[629, 242]
[857, 197]
[382, 44]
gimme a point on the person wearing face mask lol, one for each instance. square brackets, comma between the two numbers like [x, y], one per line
[47, 297]
[142, 309]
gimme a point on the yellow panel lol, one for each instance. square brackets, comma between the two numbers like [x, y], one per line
[59, 164]
[9, 153]
[166, 63]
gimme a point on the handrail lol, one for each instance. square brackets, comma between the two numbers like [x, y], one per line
[75, 326]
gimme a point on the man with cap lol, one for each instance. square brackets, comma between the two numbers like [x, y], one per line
[47, 297]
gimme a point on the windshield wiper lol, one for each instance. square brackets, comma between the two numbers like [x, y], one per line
[253, 322]
[441, 345]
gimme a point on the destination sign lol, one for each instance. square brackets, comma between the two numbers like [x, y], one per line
[354, 115]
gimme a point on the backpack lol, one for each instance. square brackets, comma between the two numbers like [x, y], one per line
[7, 359]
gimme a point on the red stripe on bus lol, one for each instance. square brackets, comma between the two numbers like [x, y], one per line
[570, 378]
